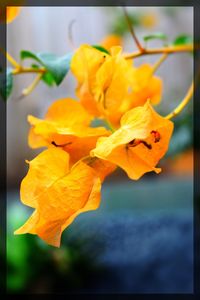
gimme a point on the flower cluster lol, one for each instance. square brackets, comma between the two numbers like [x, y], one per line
[65, 179]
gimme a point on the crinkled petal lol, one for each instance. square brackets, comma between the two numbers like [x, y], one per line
[43, 171]
[136, 125]
[58, 198]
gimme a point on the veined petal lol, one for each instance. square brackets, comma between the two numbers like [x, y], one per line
[43, 171]
[112, 83]
[85, 63]
[68, 112]
[140, 142]
[66, 124]
[60, 198]
[145, 86]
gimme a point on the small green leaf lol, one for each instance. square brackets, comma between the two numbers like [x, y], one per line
[156, 35]
[58, 67]
[183, 40]
[6, 84]
[9, 82]
[47, 77]
[100, 48]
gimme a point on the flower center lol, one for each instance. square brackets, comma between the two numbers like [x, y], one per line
[61, 145]
[135, 142]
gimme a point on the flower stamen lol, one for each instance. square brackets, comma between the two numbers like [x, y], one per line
[61, 145]
[136, 142]
[156, 136]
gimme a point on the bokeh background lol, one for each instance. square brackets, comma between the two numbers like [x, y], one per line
[141, 238]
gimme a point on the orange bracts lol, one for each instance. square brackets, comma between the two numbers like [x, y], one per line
[139, 144]
[58, 194]
[109, 85]
[65, 179]
[66, 125]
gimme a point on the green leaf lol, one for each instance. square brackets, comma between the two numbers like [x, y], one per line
[9, 82]
[58, 67]
[156, 35]
[100, 48]
[47, 77]
[183, 40]
[6, 84]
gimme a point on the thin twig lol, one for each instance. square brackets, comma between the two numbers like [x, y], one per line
[183, 103]
[13, 62]
[172, 49]
[140, 47]
[29, 89]
[159, 62]
[22, 70]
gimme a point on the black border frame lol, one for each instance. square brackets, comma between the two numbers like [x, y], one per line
[196, 130]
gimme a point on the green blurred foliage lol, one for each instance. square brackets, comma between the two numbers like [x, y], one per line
[183, 39]
[33, 266]
[6, 83]
[170, 11]
[156, 35]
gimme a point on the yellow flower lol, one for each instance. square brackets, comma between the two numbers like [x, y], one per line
[65, 180]
[57, 194]
[145, 86]
[112, 84]
[139, 144]
[84, 65]
[66, 125]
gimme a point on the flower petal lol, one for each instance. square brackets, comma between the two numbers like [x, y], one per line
[145, 86]
[43, 171]
[84, 65]
[65, 122]
[68, 112]
[112, 83]
[59, 200]
[139, 157]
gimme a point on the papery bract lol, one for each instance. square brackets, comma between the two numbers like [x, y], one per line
[66, 124]
[112, 83]
[145, 86]
[57, 193]
[139, 144]
[84, 65]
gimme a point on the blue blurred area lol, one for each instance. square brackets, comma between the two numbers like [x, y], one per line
[140, 240]
[141, 252]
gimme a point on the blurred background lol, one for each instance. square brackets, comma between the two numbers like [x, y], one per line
[141, 238]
